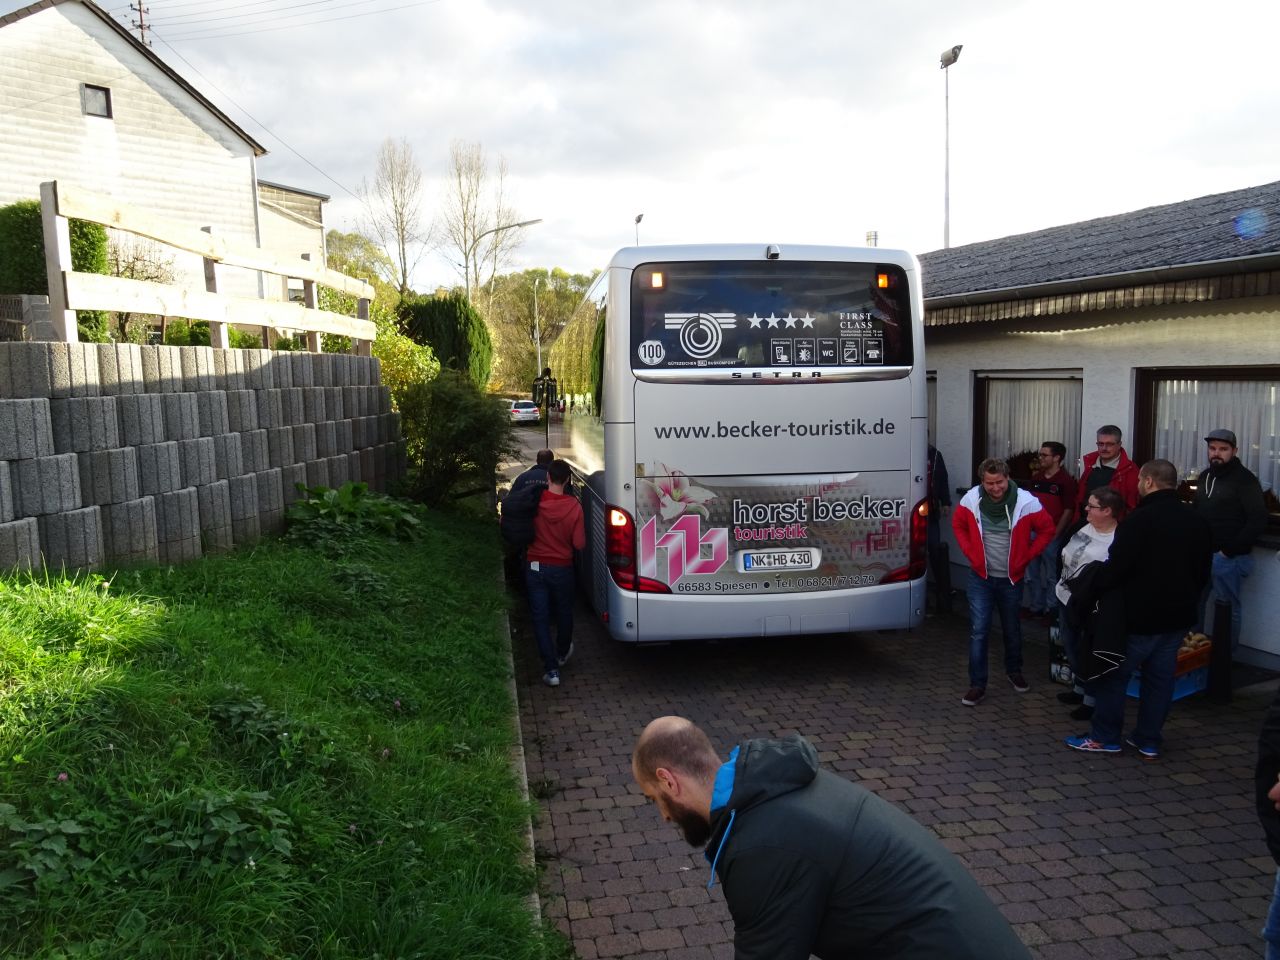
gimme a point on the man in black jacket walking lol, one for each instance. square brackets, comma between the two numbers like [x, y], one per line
[1229, 497]
[811, 863]
[1159, 560]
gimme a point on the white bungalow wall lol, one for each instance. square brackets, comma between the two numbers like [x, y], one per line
[1107, 349]
[161, 149]
[288, 237]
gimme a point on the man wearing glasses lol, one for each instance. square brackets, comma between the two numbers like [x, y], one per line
[1110, 467]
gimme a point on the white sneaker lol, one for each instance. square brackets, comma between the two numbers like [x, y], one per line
[564, 657]
[551, 678]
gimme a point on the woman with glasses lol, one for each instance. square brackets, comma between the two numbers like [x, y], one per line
[1103, 509]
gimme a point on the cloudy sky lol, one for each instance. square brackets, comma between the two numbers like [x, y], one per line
[747, 120]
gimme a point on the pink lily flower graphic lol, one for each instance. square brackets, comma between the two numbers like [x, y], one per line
[671, 495]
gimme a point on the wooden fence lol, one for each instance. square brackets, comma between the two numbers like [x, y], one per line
[70, 290]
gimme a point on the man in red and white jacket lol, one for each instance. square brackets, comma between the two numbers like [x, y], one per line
[994, 525]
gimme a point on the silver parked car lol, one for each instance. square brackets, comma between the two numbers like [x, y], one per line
[525, 411]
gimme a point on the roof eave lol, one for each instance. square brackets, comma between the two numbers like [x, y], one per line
[1128, 278]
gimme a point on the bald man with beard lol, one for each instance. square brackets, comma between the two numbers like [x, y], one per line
[811, 863]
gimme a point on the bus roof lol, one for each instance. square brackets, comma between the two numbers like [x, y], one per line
[631, 257]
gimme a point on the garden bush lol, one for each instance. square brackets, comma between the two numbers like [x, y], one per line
[22, 266]
[403, 362]
[455, 332]
[455, 437]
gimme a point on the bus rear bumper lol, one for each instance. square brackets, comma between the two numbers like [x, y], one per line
[659, 618]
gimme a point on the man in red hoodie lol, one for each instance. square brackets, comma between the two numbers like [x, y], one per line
[1110, 467]
[1000, 528]
[558, 531]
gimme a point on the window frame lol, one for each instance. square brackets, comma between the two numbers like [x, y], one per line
[1146, 385]
[981, 398]
[84, 100]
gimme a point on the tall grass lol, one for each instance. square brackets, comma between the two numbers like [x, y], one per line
[285, 752]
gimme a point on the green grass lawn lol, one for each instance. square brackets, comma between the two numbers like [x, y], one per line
[293, 751]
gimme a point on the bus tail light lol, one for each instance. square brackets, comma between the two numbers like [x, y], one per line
[620, 553]
[919, 549]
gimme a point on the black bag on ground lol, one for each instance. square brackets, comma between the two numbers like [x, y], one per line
[518, 510]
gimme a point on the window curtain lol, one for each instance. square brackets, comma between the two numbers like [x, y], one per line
[1023, 414]
[1186, 410]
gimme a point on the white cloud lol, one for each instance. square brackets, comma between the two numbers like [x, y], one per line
[809, 121]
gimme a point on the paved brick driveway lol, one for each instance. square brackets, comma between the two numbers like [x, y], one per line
[1088, 856]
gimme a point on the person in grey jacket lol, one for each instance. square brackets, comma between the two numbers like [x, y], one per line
[811, 863]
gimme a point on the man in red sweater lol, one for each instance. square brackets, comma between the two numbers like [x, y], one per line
[1110, 467]
[558, 531]
[1056, 491]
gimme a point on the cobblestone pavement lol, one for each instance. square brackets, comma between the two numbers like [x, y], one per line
[1088, 856]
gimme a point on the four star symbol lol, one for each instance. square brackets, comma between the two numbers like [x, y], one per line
[789, 320]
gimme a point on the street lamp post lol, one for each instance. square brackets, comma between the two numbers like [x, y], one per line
[949, 57]
[471, 250]
[537, 330]
[639, 217]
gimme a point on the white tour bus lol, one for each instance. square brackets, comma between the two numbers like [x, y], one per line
[758, 465]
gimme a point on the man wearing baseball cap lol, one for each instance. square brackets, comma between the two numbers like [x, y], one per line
[1229, 497]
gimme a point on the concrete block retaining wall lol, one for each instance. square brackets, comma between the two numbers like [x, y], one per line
[114, 454]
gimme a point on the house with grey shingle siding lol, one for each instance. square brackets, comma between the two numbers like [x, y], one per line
[83, 102]
[1163, 321]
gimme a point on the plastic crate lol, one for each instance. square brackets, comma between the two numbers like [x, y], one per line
[1190, 676]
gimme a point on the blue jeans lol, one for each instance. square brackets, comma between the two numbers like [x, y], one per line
[1225, 583]
[1271, 931]
[1156, 654]
[987, 595]
[551, 592]
[1042, 577]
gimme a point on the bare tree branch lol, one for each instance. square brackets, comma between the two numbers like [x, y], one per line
[393, 209]
[136, 258]
[470, 219]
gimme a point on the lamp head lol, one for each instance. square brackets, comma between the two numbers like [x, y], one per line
[639, 217]
[951, 56]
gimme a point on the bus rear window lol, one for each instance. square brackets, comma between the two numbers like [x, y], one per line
[773, 315]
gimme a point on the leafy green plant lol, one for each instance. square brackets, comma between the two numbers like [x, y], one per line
[44, 852]
[292, 344]
[244, 339]
[213, 829]
[182, 333]
[403, 362]
[323, 513]
[455, 437]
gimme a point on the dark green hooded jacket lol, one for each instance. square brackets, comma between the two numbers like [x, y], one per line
[811, 863]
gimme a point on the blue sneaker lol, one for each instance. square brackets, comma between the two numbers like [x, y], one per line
[1089, 745]
[1146, 753]
[552, 679]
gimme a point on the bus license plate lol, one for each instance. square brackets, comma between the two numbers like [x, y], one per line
[779, 560]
